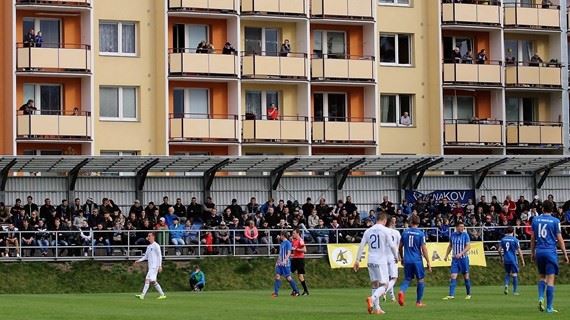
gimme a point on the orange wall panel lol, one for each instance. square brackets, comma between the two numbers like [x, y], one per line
[354, 35]
[71, 91]
[6, 73]
[218, 95]
[217, 27]
[355, 99]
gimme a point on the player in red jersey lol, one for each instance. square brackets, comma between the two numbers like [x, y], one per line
[298, 259]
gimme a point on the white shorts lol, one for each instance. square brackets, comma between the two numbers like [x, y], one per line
[378, 272]
[152, 274]
[393, 270]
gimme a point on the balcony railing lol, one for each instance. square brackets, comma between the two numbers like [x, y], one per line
[468, 72]
[58, 125]
[473, 132]
[342, 67]
[531, 74]
[274, 65]
[274, 7]
[534, 133]
[285, 129]
[536, 16]
[486, 12]
[221, 6]
[66, 3]
[343, 130]
[53, 57]
[203, 127]
[186, 61]
[346, 9]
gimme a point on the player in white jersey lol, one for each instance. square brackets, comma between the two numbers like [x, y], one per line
[154, 257]
[378, 239]
[392, 265]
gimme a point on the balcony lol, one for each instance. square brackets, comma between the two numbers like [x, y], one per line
[342, 67]
[473, 132]
[534, 75]
[345, 9]
[274, 7]
[479, 12]
[292, 66]
[489, 73]
[216, 6]
[53, 125]
[61, 58]
[342, 130]
[534, 134]
[285, 129]
[536, 16]
[62, 3]
[186, 62]
[202, 127]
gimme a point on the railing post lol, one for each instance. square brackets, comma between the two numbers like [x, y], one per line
[56, 245]
[20, 244]
[129, 244]
[199, 243]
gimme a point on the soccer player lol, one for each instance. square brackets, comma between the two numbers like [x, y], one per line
[298, 259]
[460, 245]
[413, 248]
[508, 250]
[283, 266]
[545, 234]
[378, 239]
[392, 265]
[154, 258]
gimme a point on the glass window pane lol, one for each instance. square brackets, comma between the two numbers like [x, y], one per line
[527, 50]
[253, 103]
[199, 107]
[388, 49]
[29, 24]
[108, 37]
[50, 99]
[318, 43]
[406, 106]
[179, 111]
[319, 106]
[388, 107]
[465, 108]
[272, 97]
[404, 49]
[196, 34]
[337, 107]
[511, 51]
[50, 33]
[448, 108]
[464, 45]
[29, 92]
[512, 110]
[109, 102]
[335, 45]
[272, 44]
[129, 103]
[253, 40]
[129, 36]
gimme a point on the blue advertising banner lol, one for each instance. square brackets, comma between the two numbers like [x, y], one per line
[461, 196]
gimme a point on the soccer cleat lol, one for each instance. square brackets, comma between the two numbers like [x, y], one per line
[551, 310]
[274, 295]
[401, 298]
[448, 298]
[384, 298]
[506, 291]
[295, 294]
[468, 297]
[541, 307]
[140, 296]
[420, 305]
[370, 304]
[305, 293]
[378, 311]
[161, 297]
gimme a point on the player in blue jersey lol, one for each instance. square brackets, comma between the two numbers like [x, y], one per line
[283, 266]
[459, 244]
[508, 250]
[413, 247]
[545, 235]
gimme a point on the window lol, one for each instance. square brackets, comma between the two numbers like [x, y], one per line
[117, 38]
[396, 109]
[47, 97]
[396, 2]
[395, 49]
[265, 41]
[458, 108]
[257, 103]
[519, 50]
[450, 43]
[191, 103]
[330, 106]
[50, 29]
[188, 36]
[329, 44]
[118, 103]
[521, 109]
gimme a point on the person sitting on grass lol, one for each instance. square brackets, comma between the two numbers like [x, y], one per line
[197, 279]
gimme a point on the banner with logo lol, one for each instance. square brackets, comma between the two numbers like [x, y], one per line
[344, 255]
[461, 196]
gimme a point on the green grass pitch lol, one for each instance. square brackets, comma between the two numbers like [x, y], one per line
[487, 302]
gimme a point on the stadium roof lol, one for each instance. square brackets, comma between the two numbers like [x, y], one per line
[390, 165]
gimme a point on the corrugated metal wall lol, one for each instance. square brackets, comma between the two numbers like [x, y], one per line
[369, 191]
[119, 189]
[38, 187]
[172, 187]
[299, 188]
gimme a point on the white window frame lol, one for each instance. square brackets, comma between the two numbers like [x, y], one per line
[120, 39]
[395, 3]
[324, 44]
[187, 102]
[399, 110]
[264, 100]
[37, 94]
[120, 118]
[454, 109]
[326, 104]
[397, 49]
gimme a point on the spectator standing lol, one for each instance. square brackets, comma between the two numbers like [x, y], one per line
[482, 56]
[30, 206]
[285, 48]
[405, 119]
[162, 232]
[252, 207]
[194, 210]
[64, 211]
[137, 209]
[180, 209]
[228, 49]
[163, 208]
[30, 38]
[38, 40]
[235, 208]
[273, 112]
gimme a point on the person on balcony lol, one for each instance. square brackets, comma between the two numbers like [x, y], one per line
[272, 112]
[285, 48]
[38, 39]
[29, 39]
[405, 120]
[481, 56]
[202, 47]
[29, 108]
[468, 57]
[509, 58]
[546, 4]
[228, 49]
[456, 55]
[535, 60]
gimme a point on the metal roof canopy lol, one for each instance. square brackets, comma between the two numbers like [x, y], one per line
[387, 165]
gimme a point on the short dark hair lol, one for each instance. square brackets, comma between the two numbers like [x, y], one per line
[459, 223]
[548, 206]
[382, 216]
[415, 220]
[510, 229]
[388, 222]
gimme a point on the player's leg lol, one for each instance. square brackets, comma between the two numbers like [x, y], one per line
[158, 288]
[541, 266]
[507, 279]
[277, 282]
[381, 276]
[301, 275]
[551, 272]
[465, 271]
[293, 284]
[408, 277]
[452, 280]
[145, 289]
[420, 275]
[515, 277]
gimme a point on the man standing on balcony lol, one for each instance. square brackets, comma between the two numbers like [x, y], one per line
[285, 48]
[30, 38]
[28, 108]
[272, 112]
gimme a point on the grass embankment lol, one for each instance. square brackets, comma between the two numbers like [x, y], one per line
[221, 274]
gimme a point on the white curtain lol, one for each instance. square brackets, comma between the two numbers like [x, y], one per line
[128, 35]
[109, 102]
[108, 37]
[129, 103]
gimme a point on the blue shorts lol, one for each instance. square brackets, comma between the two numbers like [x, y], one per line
[511, 268]
[547, 263]
[460, 266]
[414, 270]
[283, 271]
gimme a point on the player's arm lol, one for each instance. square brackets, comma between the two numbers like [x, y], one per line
[521, 256]
[401, 251]
[143, 258]
[532, 245]
[425, 253]
[448, 251]
[500, 251]
[360, 251]
[159, 256]
[393, 248]
[301, 247]
[562, 245]
[462, 253]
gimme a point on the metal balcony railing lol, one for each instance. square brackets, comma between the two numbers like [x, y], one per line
[203, 127]
[537, 16]
[221, 6]
[58, 125]
[274, 7]
[342, 67]
[53, 57]
[469, 71]
[70, 3]
[473, 132]
[202, 62]
[344, 130]
[534, 133]
[290, 65]
[533, 74]
[486, 12]
[345, 9]
[284, 129]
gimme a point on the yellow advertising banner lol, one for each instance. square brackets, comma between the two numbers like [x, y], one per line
[344, 255]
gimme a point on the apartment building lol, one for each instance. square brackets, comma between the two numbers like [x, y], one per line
[356, 77]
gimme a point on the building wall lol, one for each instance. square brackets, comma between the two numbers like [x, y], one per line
[6, 78]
